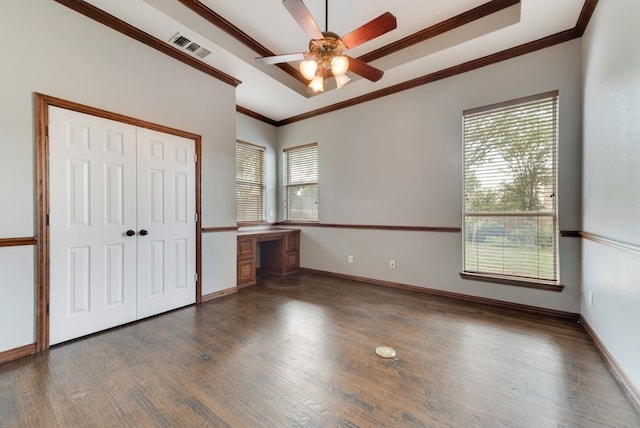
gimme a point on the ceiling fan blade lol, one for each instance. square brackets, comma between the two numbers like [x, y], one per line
[301, 14]
[364, 69]
[277, 59]
[372, 29]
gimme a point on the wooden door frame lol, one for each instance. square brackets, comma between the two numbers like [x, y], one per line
[42, 103]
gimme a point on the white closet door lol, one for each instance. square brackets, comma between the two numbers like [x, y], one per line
[166, 222]
[92, 176]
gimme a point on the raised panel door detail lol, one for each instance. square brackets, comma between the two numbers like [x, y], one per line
[114, 195]
[156, 277]
[78, 191]
[114, 142]
[114, 274]
[79, 280]
[181, 155]
[156, 195]
[181, 261]
[180, 185]
[78, 136]
[157, 150]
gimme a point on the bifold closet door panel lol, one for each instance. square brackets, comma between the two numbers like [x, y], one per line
[92, 188]
[166, 222]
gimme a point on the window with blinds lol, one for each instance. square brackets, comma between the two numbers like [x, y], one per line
[510, 176]
[301, 183]
[249, 182]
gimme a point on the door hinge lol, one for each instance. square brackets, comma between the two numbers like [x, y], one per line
[195, 158]
[195, 277]
[47, 309]
[47, 219]
[195, 217]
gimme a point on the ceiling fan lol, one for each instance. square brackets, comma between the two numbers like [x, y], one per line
[325, 56]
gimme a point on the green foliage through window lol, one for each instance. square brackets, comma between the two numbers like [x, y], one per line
[301, 183]
[510, 175]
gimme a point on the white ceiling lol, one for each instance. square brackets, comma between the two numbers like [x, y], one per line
[271, 92]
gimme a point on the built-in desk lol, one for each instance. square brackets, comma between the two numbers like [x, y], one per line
[279, 253]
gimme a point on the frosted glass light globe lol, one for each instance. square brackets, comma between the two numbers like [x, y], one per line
[339, 65]
[308, 68]
[317, 84]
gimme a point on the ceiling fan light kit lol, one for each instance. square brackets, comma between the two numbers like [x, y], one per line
[326, 49]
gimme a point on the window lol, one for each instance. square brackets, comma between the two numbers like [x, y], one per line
[249, 182]
[301, 183]
[510, 175]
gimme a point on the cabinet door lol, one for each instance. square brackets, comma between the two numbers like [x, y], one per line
[291, 262]
[291, 241]
[246, 272]
[246, 248]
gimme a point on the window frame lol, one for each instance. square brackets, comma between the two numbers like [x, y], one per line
[286, 184]
[519, 279]
[262, 150]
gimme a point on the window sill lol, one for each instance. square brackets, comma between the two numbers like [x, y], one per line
[517, 282]
[298, 222]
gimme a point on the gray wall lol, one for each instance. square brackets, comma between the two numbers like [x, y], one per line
[50, 49]
[398, 161]
[612, 179]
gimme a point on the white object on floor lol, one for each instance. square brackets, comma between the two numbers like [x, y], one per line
[385, 352]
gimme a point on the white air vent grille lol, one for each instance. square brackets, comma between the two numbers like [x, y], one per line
[192, 47]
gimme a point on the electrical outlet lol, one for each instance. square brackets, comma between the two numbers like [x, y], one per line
[392, 264]
[590, 296]
[349, 258]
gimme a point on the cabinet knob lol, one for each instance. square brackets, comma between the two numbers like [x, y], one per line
[143, 232]
[130, 232]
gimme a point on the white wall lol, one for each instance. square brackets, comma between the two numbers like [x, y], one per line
[612, 179]
[398, 161]
[50, 49]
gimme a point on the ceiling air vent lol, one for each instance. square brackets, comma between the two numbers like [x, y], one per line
[190, 46]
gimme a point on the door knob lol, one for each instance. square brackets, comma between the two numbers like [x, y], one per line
[143, 232]
[130, 232]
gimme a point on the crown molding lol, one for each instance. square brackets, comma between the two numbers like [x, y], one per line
[98, 15]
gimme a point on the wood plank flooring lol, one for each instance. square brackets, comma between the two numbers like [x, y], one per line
[299, 352]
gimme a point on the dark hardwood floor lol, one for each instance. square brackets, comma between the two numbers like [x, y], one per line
[299, 351]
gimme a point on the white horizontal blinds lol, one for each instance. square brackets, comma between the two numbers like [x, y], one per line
[249, 182]
[510, 176]
[301, 183]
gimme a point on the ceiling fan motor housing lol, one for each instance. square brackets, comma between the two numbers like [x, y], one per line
[328, 47]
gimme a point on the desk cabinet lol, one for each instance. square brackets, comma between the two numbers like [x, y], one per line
[291, 252]
[246, 260]
[279, 253]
